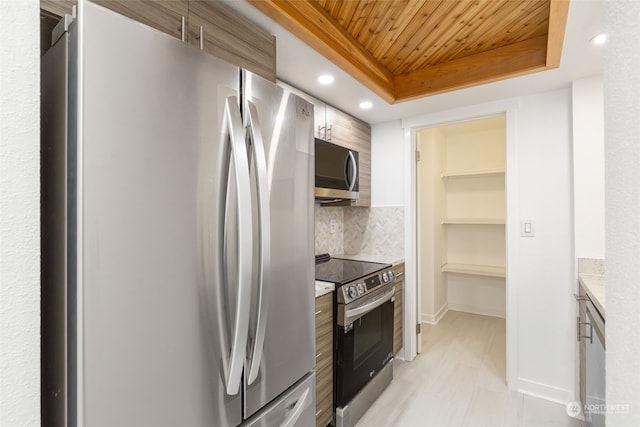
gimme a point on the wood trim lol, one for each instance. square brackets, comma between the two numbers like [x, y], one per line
[314, 26]
[509, 61]
[558, 11]
[57, 7]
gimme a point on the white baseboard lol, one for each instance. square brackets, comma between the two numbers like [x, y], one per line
[433, 319]
[544, 391]
[478, 310]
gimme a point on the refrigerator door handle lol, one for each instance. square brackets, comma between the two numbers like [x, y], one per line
[264, 227]
[298, 409]
[234, 365]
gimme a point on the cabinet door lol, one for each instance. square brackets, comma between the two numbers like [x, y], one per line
[361, 142]
[320, 119]
[232, 37]
[324, 359]
[168, 16]
[398, 309]
[338, 127]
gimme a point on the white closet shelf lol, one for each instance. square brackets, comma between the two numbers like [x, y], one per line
[476, 172]
[473, 221]
[476, 270]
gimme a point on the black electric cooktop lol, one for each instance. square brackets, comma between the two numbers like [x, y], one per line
[341, 271]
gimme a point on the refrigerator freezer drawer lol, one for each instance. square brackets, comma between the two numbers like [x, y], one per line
[295, 408]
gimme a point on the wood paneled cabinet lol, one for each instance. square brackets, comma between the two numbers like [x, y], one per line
[221, 31]
[347, 131]
[398, 270]
[168, 16]
[331, 124]
[205, 24]
[324, 360]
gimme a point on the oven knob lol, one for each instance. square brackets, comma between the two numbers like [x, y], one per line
[385, 277]
[361, 288]
[353, 292]
[391, 276]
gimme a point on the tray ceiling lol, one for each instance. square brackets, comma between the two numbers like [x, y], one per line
[408, 49]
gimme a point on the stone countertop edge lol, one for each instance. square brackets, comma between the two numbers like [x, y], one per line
[594, 285]
[384, 259]
[323, 288]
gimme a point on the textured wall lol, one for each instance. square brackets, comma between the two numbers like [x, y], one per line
[622, 204]
[326, 241]
[374, 231]
[370, 231]
[19, 213]
[541, 269]
[588, 167]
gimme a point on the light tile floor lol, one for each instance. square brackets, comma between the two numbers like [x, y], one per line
[459, 380]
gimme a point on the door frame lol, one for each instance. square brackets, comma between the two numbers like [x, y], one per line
[411, 126]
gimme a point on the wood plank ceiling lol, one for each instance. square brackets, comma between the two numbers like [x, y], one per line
[408, 49]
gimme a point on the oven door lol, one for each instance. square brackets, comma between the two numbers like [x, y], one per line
[364, 345]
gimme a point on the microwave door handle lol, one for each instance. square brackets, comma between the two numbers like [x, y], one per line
[264, 235]
[234, 365]
[351, 180]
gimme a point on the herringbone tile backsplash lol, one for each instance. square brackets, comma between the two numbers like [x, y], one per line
[373, 231]
[326, 241]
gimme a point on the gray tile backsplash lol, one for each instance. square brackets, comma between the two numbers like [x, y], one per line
[327, 241]
[373, 231]
[591, 266]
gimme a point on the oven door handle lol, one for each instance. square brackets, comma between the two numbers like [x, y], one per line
[357, 312]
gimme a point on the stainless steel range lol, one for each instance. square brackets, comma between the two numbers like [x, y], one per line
[363, 328]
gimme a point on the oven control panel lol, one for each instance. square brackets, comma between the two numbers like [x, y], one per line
[353, 291]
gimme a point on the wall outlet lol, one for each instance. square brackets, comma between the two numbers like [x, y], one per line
[527, 228]
[332, 226]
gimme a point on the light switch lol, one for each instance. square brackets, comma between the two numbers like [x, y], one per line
[527, 228]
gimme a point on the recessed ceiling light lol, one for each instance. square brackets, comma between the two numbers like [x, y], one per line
[365, 105]
[325, 79]
[599, 39]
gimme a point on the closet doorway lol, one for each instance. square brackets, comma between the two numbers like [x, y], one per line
[461, 239]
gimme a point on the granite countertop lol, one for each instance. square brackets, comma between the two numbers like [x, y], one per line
[384, 259]
[594, 285]
[323, 288]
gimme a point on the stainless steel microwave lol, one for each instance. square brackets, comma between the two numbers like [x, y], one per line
[336, 172]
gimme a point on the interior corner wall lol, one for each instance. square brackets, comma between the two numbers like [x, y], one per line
[544, 278]
[387, 171]
[588, 167]
[622, 200]
[20, 213]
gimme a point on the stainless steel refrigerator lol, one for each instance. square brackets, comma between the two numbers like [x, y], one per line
[177, 235]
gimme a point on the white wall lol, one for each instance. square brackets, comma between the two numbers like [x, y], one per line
[544, 273]
[431, 238]
[387, 172]
[588, 166]
[19, 213]
[622, 186]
